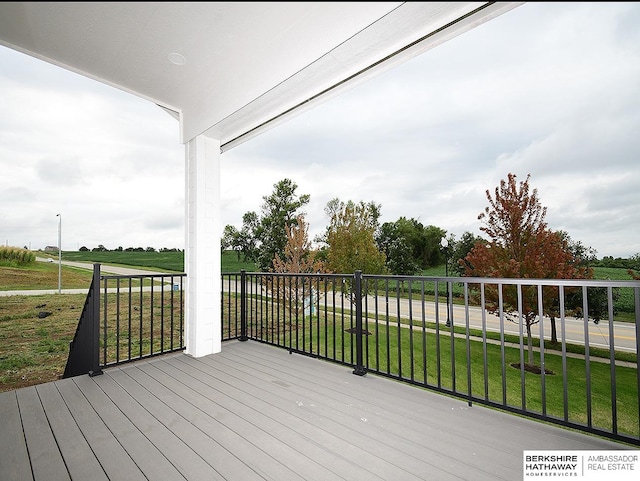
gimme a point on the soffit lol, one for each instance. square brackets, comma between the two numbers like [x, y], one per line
[247, 65]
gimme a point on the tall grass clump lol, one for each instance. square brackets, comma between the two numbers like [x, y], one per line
[16, 256]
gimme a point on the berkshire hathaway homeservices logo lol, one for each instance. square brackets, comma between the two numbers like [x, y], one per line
[620, 465]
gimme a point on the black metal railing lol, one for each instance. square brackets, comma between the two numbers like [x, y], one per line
[84, 352]
[465, 337]
[126, 318]
[562, 351]
[141, 316]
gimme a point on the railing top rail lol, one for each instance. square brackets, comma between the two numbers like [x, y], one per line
[516, 281]
[467, 280]
[141, 276]
[290, 274]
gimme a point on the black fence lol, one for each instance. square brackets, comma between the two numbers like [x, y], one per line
[562, 351]
[472, 338]
[127, 318]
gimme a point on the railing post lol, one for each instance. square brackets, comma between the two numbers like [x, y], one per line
[243, 305]
[360, 370]
[95, 324]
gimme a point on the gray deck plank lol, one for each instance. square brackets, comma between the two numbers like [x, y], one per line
[421, 417]
[359, 410]
[113, 458]
[300, 454]
[255, 412]
[347, 433]
[76, 451]
[475, 441]
[149, 460]
[158, 402]
[46, 459]
[14, 457]
[205, 417]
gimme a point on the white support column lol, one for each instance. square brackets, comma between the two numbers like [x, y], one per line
[202, 247]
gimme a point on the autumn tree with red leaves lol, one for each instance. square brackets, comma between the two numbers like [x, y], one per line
[296, 292]
[521, 246]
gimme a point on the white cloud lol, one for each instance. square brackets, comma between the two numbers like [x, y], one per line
[547, 89]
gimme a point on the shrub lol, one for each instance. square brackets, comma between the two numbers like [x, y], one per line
[16, 256]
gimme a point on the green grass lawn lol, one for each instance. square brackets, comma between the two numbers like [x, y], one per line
[43, 275]
[168, 261]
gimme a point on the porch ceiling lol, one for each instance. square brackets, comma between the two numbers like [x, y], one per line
[232, 69]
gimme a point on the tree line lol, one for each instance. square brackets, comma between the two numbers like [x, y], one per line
[355, 239]
[517, 243]
[102, 248]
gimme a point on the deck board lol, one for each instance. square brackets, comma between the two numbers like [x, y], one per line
[255, 412]
[14, 457]
[74, 448]
[46, 460]
[109, 451]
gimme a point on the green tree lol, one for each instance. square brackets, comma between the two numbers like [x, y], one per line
[410, 246]
[350, 238]
[261, 238]
[459, 251]
[397, 240]
[279, 210]
[229, 236]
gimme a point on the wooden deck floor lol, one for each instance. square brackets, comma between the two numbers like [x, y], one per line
[255, 412]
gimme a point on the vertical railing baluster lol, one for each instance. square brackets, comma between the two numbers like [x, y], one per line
[587, 353]
[485, 359]
[398, 330]
[424, 334]
[502, 345]
[140, 307]
[452, 335]
[612, 362]
[438, 354]
[357, 297]
[118, 320]
[104, 327]
[543, 379]
[521, 321]
[243, 305]
[411, 359]
[161, 312]
[468, 341]
[95, 368]
[129, 320]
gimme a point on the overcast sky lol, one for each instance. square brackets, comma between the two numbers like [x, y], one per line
[547, 89]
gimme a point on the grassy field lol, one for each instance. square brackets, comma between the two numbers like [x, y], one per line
[165, 261]
[43, 275]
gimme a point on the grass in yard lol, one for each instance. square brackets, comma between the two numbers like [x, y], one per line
[140, 325]
[43, 275]
[34, 349]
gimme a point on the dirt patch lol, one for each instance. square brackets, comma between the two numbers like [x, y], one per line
[533, 369]
[353, 330]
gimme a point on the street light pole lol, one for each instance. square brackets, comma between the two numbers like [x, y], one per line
[445, 247]
[59, 253]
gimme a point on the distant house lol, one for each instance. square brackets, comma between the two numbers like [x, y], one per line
[52, 249]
